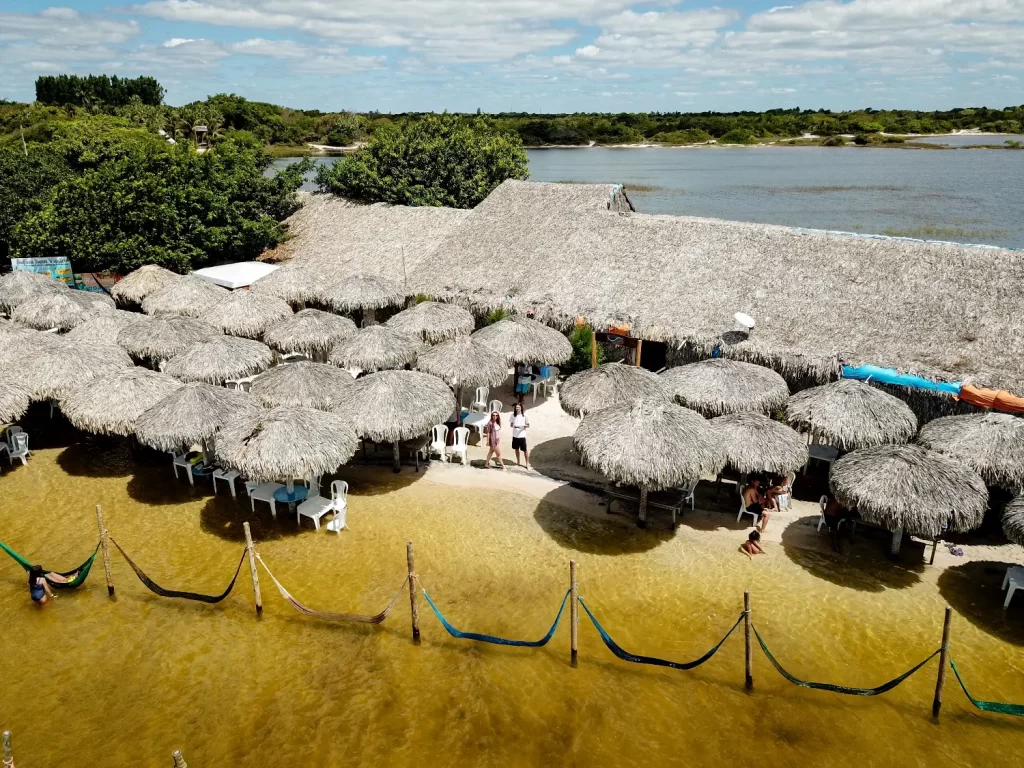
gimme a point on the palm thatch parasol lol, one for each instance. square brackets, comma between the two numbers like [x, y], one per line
[191, 415]
[220, 358]
[651, 445]
[719, 386]
[1013, 521]
[163, 337]
[464, 362]
[56, 367]
[14, 398]
[391, 406]
[434, 321]
[376, 348]
[246, 314]
[62, 310]
[134, 287]
[103, 328]
[365, 292]
[610, 384]
[909, 488]
[524, 340]
[19, 286]
[110, 405]
[98, 299]
[309, 331]
[755, 443]
[850, 414]
[286, 442]
[17, 341]
[293, 283]
[303, 384]
[992, 444]
[189, 296]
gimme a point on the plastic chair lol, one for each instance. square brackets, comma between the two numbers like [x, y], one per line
[785, 499]
[263, 492]
[13, 430]
[339, 506]
[179, 460]
[743, 507]
[1014, 579]
[314, 507]
[438, 442]
[495, 405]
[688, 493]
[479, 399]
[460, 444]
[823, 502]
[18, 449]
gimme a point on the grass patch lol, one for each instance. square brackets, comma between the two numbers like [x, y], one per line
[288, 150]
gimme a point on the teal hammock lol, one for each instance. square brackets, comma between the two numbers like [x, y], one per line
[627, 656]
[76, 577]
[883, 688]
[498, 640]
[988, 706]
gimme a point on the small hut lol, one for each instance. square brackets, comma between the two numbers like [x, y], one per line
[221, 358]
[360, 292]
[310, 332]
[103, 328]
[192, 415]
[755, 443]
[464, 362]
[163, 337]
[190, 296]
[246, 314]
[610, 384]
[62, 310]
[133, 288]
[376, 348]
[720, 386]
[14, 398]
[303, 384]
[849, 414]
[1013, 521]
[19, 286]
[434, 321]
[57, 367]
[992, 444]
[524, 340]
[110, 405]
[293, 283]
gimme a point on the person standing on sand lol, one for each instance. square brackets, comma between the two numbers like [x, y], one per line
[493, 431]
[520, 423]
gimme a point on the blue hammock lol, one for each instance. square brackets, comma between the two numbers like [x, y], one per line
[498, 640]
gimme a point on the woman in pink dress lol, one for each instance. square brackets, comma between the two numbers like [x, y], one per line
[493, 432]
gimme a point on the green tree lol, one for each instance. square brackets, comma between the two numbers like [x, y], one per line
[440, 160]
[94, 90]
[582, 340]
[25, 183]
[738, 136]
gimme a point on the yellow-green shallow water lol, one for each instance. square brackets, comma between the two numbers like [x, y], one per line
[91, 681]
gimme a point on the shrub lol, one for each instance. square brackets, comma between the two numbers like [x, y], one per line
[738, 136]
[581, 339]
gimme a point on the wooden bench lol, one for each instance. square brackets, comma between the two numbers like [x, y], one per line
[675, 507]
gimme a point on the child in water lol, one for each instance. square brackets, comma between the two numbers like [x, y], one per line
[752, 546]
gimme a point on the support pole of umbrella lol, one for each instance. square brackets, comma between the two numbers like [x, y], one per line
[642, 522]
[251, 550]
[397, 448]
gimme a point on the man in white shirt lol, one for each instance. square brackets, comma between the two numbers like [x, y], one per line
[520, 423]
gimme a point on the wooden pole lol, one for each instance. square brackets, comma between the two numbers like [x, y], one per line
[105, 546]
[179, 761]
[574, 611]
[593, 349]
[397, 457]
[8, 754]
[642, 522]
[413, 589]
[252, 568]
[943, 662]
[748, 663]
[639, 351]
[935, 545]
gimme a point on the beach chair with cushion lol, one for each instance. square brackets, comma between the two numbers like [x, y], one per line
[479, 400]
[460, 444]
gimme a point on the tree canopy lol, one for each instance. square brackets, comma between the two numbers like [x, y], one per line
[58, 90]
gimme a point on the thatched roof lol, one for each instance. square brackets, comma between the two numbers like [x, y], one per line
[16, 341]
[309, 385]
[246, 314]
[909, 487]
[14, 398]
[353, 292]
[286, 442]
[134, 287]
[716, 387]
[56, 367]
[62, 310]
[310, 331]
[189, 296]
[376, 348]
[191, 415]
[610, 384]
[110, 405]
[103, 328]
[819, 299]
[163, 337]
[992, 444]
[434, 321]
[219, 359]
[1013, 521]
[289, 282]
[19, 286]
[755, 443]
[391, 406]
[850, 414]
[524, 340]
[464, 362]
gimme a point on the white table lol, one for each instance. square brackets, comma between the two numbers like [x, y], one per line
[476, 421]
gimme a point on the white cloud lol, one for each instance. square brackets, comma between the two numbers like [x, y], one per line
[174, 42]
[60, 27]
[588, 52]
[783, 90]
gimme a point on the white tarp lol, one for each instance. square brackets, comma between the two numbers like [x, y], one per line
[239, 275]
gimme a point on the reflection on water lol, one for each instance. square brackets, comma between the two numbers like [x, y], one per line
[92, 681]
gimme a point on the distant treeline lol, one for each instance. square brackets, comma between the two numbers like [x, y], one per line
[98, 90]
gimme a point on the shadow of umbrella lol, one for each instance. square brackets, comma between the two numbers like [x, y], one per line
[96, 456]
[159, 487]
[974, 590]
[864, 567]
[558, 460]
[223, 516]
[369, 479]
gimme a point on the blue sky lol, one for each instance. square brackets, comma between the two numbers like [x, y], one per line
[534, 55]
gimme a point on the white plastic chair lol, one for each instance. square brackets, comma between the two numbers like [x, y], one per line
[314, 507]
[18, 449]
[263, 492]
[495, 405]
[479, 400]
[13, 430]
[228, 476]
[1014, 579]
[460, 444]
[785, 499]
[339, 506]
[688, 493]
[438, 442]
[823, 502]
[293, 357]
[179, 460]
[231, 383]
[743, 507]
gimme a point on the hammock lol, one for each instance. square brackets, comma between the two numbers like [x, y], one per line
[333, 616]
[498, 640]
[75, 577]
[627, 656]
[156, 588]
[988, 706]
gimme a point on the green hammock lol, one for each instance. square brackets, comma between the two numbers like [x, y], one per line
[988, 706]
[80, 573]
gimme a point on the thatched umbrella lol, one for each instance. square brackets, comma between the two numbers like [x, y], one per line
[56, 367]
[360, 292]
[189, 296]
[19, 286]
[103, 328]
[434, 321]
[650, 445]
[286, 442]
[909, 488]
[464, 362]
[161, 338]
[98, 299]
[309, 331]
[246, 314]
[110, 405]
[755, 443]
[14, 398]
[376, 348]
[293, 283]
[220, 358]
[524, 340]
[849, 414]
[610, 384]
[391, 406]
[719, 386]
[134, 287]
[992, 444]
[191, 415]
[1013, 521]
[16, 341]
[62, 310]
[304, 384]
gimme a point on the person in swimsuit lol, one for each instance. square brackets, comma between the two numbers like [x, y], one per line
[755, 501]
[752, 546]
[38, 587]
[493, 430]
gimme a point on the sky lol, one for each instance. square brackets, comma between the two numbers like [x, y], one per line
[534, 55]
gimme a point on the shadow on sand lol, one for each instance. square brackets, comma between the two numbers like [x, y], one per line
[223, 517]
[974, 590]
[97, 456]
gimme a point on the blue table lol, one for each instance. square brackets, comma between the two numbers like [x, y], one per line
[299, 493]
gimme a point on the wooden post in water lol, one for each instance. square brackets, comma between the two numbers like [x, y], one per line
[574, 611]
[252, 568]
[593, 349]
[943, 662]
[748, 658]
[179, 761]
[413, 587]
[105, 547]
[8, 754]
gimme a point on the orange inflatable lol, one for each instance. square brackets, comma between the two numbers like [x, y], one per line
[997, 399]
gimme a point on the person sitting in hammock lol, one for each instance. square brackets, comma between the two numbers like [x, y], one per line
[39, 582]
